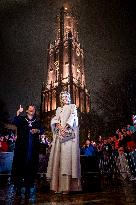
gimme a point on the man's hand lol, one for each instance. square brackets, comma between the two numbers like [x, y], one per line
[20, 110]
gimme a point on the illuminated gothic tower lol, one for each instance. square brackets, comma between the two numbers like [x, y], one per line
[65, 68]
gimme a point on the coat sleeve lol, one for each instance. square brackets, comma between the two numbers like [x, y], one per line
[16, 121]
[73, 119]
[55, 119]
[40, 128]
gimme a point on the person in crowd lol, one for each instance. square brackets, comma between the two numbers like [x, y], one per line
[88, 149]
[43, 158]
[108, 160]
[132, 154]
[134, 119]
[130, 127]
[116, 141]
[3, 144]
[64, 172]
[123, 165]
[89, 158]
[26, 153]
[11, 143]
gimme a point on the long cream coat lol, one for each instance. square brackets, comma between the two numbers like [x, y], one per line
[64, 170]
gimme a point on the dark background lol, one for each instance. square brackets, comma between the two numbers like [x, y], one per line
[107, 31]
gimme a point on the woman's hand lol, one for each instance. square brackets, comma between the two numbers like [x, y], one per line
[34, 131]
[62, 130]
[59, 126]
[20, 110]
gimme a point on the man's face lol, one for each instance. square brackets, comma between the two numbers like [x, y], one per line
[31, 110]
[88, 142]
[121, 151]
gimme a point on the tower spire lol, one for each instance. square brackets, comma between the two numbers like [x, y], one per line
[66, 66]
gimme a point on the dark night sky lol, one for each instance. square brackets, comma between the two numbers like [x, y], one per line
[107, 31]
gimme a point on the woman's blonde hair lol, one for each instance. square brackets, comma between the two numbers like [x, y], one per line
[65, 93]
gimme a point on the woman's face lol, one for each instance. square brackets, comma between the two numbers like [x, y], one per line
[65, 99]
[31, 110]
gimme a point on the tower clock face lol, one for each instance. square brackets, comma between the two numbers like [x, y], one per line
[78, 51]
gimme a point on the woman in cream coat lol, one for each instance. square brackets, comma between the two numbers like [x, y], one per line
[64, 172]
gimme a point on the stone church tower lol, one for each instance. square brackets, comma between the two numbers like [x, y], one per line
[65, 69]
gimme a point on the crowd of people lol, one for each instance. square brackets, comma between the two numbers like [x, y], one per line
[7, 140]
[115, 154]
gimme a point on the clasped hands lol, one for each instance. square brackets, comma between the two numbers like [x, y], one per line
[61, 129]
[34, 131]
